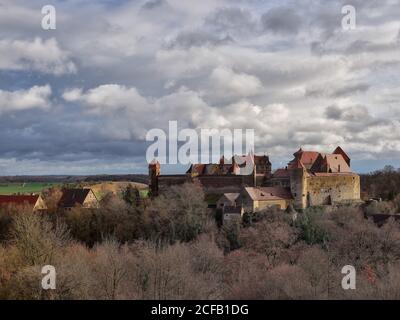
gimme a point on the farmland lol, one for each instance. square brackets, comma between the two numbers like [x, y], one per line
[99, 189]
[25, 187]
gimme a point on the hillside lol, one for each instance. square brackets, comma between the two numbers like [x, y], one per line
[140, 178]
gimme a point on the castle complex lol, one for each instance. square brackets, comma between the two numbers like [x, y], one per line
[310, 179]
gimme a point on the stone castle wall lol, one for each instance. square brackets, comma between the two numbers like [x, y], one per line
[223, 184]
[314, 190]
[210, 184]
[332, 189]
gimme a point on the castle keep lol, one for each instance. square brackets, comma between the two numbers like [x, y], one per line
[319, 179]
[310, 179]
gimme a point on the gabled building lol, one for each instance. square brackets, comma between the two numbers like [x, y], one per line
[255, 199]
[318, 179]
[33, 203]
[79, 197]
[231, 209]
[227, 200]
[218, 178]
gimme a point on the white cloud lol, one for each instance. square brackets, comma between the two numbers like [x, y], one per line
[108, 98]
[37, 55]
[292, 74]
[224, 82]
[131, 113]
[35, 97]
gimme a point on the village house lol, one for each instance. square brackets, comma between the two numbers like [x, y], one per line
[227, 200]
[78, 197]
[255, 199]
[32, 203]
[230, 209]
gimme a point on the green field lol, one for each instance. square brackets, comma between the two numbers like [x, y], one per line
[23, 188]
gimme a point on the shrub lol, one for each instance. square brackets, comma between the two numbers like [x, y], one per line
[311, 226]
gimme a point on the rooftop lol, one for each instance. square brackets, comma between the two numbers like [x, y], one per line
[73, 197]
[268, 193]
[19, 199]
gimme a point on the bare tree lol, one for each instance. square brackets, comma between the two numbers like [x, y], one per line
[38, 241]
[109, 268]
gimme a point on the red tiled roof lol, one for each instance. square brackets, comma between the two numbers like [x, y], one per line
[320, 162]
[330, 163]
[298, 152]
[281, 173]
[19, 199]
[307, 158]
[269, 193]
[239, 164]
[296, 164]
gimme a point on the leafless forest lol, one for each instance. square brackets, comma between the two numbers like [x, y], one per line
[175, 248]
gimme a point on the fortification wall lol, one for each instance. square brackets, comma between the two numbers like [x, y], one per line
[222, 184]
[323, 190]
[210, 184]
[170, 180]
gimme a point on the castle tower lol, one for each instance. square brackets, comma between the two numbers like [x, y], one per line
[263, 166]
[298, 185]
[154, 172]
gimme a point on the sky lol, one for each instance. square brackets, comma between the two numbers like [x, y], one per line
[80, 99]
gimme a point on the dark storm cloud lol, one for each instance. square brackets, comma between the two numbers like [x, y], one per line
[198, 39]
[149, 5]
[356, 118]
[334, 112]
[329, 90]
[355, 48]
[360, 46]
[218, 64]
[61, 136]
[281, 20]
[353, 113]
[350, 90]
[231, 20]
